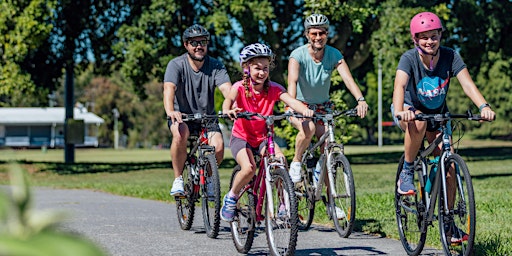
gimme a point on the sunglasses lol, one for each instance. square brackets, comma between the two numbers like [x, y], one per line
[198, 42]
[318, 34]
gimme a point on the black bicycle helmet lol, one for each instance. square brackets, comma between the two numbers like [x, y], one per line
[195, 31]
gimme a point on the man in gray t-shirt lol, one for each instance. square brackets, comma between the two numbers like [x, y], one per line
[189, 85]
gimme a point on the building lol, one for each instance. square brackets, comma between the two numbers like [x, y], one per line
[44, 127]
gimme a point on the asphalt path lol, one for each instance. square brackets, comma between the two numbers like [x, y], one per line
[126, 226]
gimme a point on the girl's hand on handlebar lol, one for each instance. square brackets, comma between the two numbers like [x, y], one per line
[232, 113]
[406, 115]
[488, 114]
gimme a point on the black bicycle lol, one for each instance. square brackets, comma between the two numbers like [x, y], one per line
[334, 171]
[200, 179]
[448, 182]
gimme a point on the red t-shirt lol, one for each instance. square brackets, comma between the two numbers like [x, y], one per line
[255, 131]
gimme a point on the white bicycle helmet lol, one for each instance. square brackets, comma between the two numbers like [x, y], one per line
[316, 20]
[255, 50]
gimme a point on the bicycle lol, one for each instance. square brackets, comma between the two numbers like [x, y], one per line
[200, 179]
[415, 213]
[272, 186]
[335, 171]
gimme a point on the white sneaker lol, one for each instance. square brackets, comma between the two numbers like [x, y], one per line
[340, 214]
[295, 172]
[177, 187]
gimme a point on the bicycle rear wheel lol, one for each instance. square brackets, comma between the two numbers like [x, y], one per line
[281, 218]
[185, 204]
[457, 228]
[243, 225]
[345, 197]
[210, 198]
[409, 216]
[305, 192]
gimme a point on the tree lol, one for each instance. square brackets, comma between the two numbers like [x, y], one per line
[24, 25]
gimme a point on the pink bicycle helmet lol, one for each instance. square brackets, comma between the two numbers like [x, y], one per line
[424, 21]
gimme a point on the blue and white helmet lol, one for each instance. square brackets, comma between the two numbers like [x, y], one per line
[316, 20]
[255, 50]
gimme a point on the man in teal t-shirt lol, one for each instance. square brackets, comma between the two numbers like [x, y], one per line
[309, 79]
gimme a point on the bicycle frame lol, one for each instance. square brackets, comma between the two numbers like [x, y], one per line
[328, 141]
[258, 186]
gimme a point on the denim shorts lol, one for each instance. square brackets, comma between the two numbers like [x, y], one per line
[431, 125]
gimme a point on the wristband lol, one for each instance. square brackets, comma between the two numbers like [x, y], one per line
[484, 106]
[361, 99]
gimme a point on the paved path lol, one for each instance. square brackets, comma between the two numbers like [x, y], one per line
[126, 226]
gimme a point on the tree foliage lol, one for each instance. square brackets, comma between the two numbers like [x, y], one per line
[128, 43]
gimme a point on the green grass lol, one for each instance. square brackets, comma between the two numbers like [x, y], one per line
[134, 173]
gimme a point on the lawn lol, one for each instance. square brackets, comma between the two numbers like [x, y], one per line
[147, 174]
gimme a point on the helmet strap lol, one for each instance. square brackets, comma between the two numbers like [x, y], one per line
[422, 52]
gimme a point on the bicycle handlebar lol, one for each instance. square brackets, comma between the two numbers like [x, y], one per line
[200, 116]
[349, 112]
[447, 116]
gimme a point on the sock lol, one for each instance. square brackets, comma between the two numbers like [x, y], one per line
[408, 166]
[232, 195]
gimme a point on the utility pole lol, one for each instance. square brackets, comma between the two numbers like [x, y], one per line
[116, 132]
[69, 147]
[379, 101]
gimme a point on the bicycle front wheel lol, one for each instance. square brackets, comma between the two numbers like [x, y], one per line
[185, 204]
[210, 198]
[457, 225]
[281, 218]
[343, 202]
[305, 192]
[409, 211]
[243, 225]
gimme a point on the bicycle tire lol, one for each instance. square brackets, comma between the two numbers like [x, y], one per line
[409, 216]
[345, 195]
[305, 192]
[243, 226]
[462, 218]
[282, 230]
[185, 205]
[211, 203]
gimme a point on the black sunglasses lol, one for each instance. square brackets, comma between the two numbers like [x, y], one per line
[198, 42]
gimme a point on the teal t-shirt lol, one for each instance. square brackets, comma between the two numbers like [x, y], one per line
[314, 79]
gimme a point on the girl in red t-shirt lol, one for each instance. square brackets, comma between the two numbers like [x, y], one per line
[254, 93]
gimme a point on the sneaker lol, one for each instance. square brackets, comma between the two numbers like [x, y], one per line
[295, 172]
[459, 236]
[340, 214]
[210, 191]
[177, 187]
[227, 213]
[405, 183]
[456, 235]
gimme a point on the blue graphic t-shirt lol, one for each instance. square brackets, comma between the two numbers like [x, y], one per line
[427, 89]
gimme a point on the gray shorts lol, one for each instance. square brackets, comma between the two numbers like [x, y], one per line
[236, 144]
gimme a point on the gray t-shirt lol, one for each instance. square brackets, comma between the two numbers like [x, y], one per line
[195, 90]
[426, 90]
